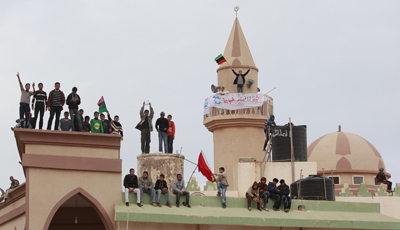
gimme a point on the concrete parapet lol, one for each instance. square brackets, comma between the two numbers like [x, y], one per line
[161, 163]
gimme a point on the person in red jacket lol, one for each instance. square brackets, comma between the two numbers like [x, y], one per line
[170, 133]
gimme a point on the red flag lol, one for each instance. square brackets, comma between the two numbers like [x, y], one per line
[204, 169]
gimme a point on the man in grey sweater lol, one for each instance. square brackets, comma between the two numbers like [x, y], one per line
[146, 186]
[179, 190]
[222, 184]
[24, 109]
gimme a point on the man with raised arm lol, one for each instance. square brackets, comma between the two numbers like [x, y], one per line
[222, 184]
[147, 128]
[131, 185]
[24, 109]
[39, 105]
[178, 189]
[116, 127]
[240, 80]
[55, 105]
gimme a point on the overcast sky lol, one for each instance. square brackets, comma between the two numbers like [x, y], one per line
[333, 63]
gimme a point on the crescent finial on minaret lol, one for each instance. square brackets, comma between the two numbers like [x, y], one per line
[236, 9]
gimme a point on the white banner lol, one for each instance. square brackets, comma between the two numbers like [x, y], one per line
[233, 101]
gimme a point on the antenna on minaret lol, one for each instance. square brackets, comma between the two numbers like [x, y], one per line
[236, 9]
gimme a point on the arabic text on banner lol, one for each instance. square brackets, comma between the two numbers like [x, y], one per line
[233, 101]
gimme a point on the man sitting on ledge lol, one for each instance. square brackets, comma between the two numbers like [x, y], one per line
[146, 186]
[131, 185]
[14, 184]
[162, 188]
[382, 177]
[179, 190]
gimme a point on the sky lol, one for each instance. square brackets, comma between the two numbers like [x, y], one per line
[332, 63]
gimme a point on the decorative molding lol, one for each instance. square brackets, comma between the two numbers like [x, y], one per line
[72, 163]
[12, 214]
[15, 195]
[218, 122]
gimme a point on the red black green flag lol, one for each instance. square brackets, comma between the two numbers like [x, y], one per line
[220, 59]
[102, 105]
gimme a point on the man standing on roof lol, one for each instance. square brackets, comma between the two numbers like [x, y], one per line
[382, 177]
[240, 80]
[267, 129]
[147, 127]
[116, 127]
[73, 101]
[162, 126]
[24, 109]
[55, 105]
[14, 184]
[39, 100]
[171, 134]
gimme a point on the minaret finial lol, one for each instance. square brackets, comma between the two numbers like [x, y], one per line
[236, 9]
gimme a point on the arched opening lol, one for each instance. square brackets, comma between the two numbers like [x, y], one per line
[78, 210]
[76, 213]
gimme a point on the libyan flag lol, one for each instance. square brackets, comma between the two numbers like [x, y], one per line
[102, 105]
[220, 59]
[204, 169]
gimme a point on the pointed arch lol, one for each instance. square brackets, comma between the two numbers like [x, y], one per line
[89, 198]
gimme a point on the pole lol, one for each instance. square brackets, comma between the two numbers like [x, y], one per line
[323, 174]
[187, 184]
[333, 183]
[291, 148]
[207, 163]
[190, 161]
[269, 91]
[298, 190]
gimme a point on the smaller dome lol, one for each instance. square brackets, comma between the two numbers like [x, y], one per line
[344, 152]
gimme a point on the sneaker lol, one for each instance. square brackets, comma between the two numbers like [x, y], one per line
[265, 209]
[154, 204]
[139, 204]
[249, 208]
[159, 205]
[169, 205]
[127, 204]
[224, 206]
[259, 209]
[218, 194]
[287, 210]
[177, 205]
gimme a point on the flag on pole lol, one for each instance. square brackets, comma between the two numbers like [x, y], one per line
[102, 105]
[204, 169]
[220, 59]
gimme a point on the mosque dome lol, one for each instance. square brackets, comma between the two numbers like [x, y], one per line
[344, 152]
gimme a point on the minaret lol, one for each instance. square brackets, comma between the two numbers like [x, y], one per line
[238, 133]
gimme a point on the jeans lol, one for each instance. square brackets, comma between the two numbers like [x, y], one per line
[287, 201]
[74, 113]
[138, 194]
[265, 197]
[178, 196]
[277, 200]
[145, 139]
[57, 111]
[152, 193]
[39, 107]
[162, 137]
[240, 88]
[170, 143]
[159, 192]
[24, 110]
[221, 190]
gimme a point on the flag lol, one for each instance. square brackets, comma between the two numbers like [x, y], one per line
[204, 169]
[102, 105]
[220, 59]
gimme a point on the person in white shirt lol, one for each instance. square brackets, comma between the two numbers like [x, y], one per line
[222, 91]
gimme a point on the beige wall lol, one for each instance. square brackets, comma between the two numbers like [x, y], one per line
[347, 178]
[389, 205]
[16, 223]
[12, 206]
[47, 187]
[54, 150]
[232, 143]
[250, 172]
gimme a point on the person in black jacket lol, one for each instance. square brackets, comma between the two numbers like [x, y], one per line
[284, 192]
[240, 80]
[131, 185]
[162, 188]
[106, 124]
[39, 102]
[73, 101]
[263, 188]
[273, 193]
[162, 126]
